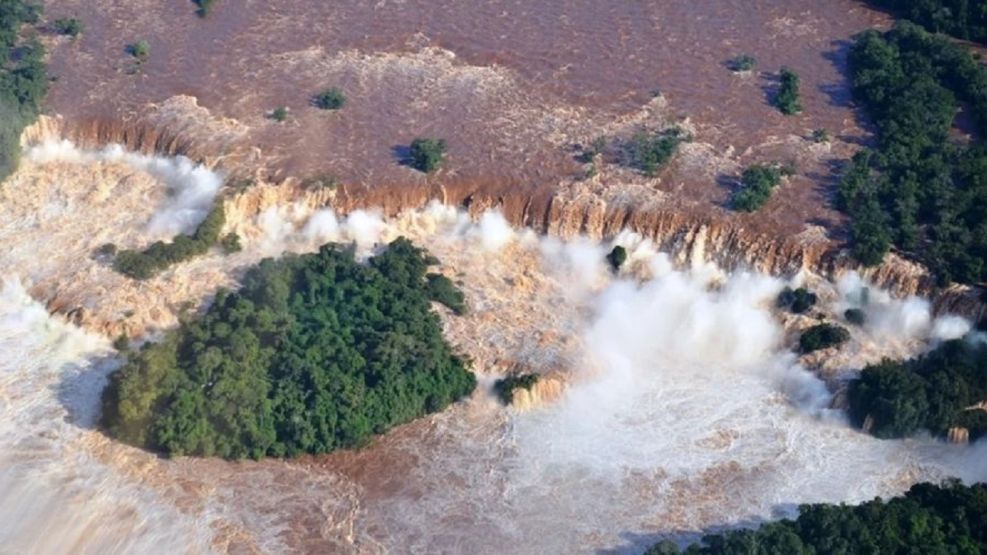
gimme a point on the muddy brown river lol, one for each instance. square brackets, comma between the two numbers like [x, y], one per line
[682, 408]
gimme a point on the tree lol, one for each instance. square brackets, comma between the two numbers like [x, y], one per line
[427, 154]
[855, 316]
[441, 290]
[280, 114]
[617, 257]
[68, 26]
[505, 387]
[141, 50]
[330, 99]
[822, 336]
[788, 99]
[202, 7]
[798, 300]
[649, 152]
[757, 184]
[743, 62]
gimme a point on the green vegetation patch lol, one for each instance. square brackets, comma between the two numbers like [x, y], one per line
[329, 99]
[799, 301]
[947, 518]
[68, 26]
[649, 152]
[963, 19]
[315, 352]
[23, 79]
[822, 336]
[918, 189]
[789, 98]
[203, 7]
[443, 291]
[932, 392]
[158, 257]
[617, 257]
[140, 50]
[427, 154]
[279, 114]
[855, 316]
[743, 62]
[757, 184]
[504, 388]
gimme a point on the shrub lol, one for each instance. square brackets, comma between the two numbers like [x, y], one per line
[314, 353]
[788, 99]
[427, 154]
[820, 136]
[617, 257]
[231, 243]
[798, 300]
[141, 50]
[822, 336]
[758, 182]
[743, 62]
[68, 26]
[203, 7]
[122, 343]
[280, 113]
[330, 99]
[441, 290]
[650, 151]
[107, 249]
[160, 255]
[855, 316]
[504, 388]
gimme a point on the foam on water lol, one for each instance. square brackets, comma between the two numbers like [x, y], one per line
[56, 495]
[685, 411]
[191, 187]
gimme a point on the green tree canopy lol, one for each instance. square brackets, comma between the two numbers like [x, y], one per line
[918, 189]
[315, 352]
[931, 392]
[950, 518]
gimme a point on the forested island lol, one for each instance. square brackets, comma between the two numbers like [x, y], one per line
[947, 518]
[313, 353]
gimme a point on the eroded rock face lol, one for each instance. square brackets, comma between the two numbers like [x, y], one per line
[959, 435]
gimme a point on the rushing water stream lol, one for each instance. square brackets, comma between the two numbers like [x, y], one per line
[684, 411]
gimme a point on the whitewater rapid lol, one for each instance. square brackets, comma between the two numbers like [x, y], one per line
[685, 409]
[56, 495]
